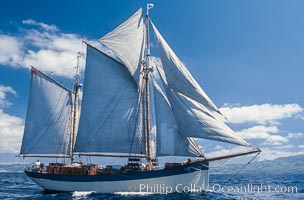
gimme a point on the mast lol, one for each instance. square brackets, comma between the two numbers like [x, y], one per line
[75, 107]
[147, 71]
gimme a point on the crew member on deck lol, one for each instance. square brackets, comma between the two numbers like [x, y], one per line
[37, 164]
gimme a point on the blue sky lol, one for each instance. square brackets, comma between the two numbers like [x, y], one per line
[247, 55]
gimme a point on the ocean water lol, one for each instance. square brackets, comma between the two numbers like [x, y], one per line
[14, 184]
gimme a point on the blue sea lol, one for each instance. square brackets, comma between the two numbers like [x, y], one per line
[14, 184]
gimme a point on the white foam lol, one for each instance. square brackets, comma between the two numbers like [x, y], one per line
[209, 190]
[12, 163]
[82, 194]
[133, 193]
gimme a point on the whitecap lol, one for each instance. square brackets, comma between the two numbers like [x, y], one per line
[82, 194]
[133, 193]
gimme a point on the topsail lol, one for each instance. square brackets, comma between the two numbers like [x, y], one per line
[127, 42]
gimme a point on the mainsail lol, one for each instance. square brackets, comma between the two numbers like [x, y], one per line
[48, 121]
[110, 111]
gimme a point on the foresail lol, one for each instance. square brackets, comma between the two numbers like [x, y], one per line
[48, 120]
[127, 41]
[169, 141]
[110, 111]
[177, 76]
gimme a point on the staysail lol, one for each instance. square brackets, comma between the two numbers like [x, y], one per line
[191, 106]
[169, 140]
[195, 120]
[109, 114]
[48, 121]
[127, 41]
[175, 70]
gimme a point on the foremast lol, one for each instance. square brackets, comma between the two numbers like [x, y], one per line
[147, 70]
[75, 109]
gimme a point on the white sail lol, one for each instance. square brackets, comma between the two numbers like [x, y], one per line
[169, 141]
[48, 120]
[177, 75]
[195, 120]
[110, 112]
[127, 41]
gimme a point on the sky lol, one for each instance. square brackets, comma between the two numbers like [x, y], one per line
[248, 56]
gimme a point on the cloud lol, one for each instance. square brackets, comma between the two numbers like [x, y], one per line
[55, 51]
[261, 114]
[11, 127]
[270, 134]
[265, 122]
[225, 151]
[3, 93]
[11, 130]
[300, 117]
[46, 48]
[258, 132]
[272, 154]
[275, 140]
[266, 154]
[262, 124]
[286, 146]
[11, 53]
[295, 135]
[41, 25]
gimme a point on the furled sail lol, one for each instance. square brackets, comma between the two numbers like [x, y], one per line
[178, 77]
[110, 109]
[169, 141]
[127, 41]
[48, 121]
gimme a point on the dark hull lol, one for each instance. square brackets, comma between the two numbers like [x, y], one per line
[122, 182]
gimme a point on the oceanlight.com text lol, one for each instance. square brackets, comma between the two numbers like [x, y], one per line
[251, 188]
[216, 188]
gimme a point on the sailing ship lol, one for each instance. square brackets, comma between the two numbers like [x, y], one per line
[131, 108]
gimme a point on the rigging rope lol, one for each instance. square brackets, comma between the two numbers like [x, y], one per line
[60, 67]
[219, 165]
[244, 166]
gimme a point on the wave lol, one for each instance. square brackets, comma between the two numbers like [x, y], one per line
[134, 193]
[82, 194]
[10, 171]
[13, 163]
